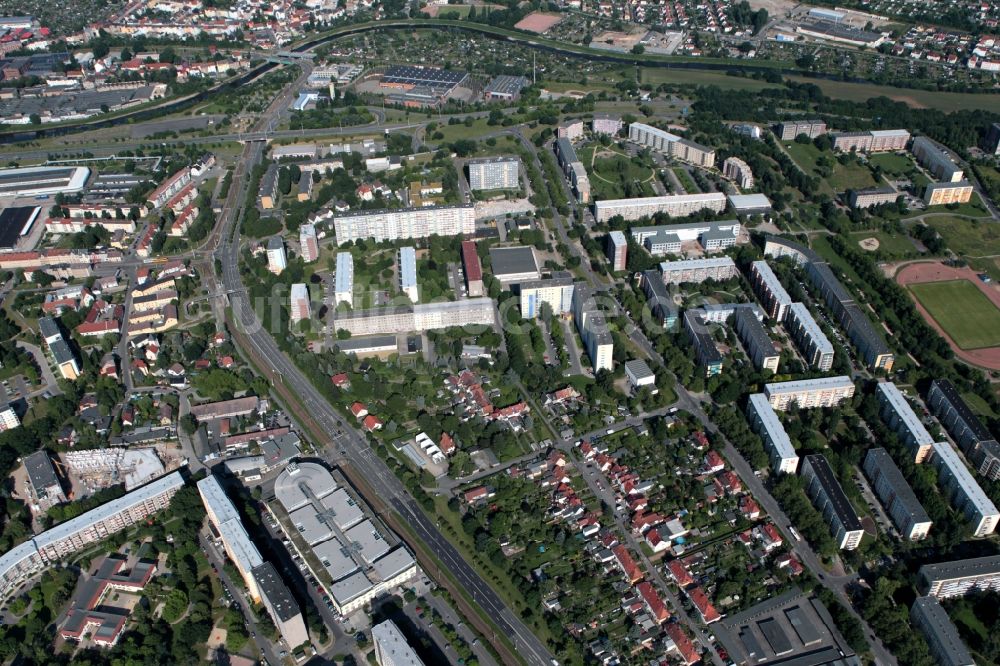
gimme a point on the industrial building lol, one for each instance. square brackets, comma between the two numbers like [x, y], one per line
[704, 344]
[617, 250]
[473, 269]
[668, 238]
[896, 495]
[276, 259]
[962, 490]
[674, 205]
[358, 558]
[749, 204]
[946, 645]
[899, 416]
[391, 648]
[872, 196]
[46, 549]
[593, 329]
[977, 443]
[697, 270]
[671, 145]
[756, 341]
[942, 194]
[419, 318]
[369, 345]
[556, 291]
[957, 578]
[505, 88]
[829, 498]
[765, 422]
[809, 393]
[936, 160]
[638, 374]
[872, 141]
[343, 289]
[298, 303]
[738, 171]
[494, 173]
[42, 180]
[788, 130]
[407, 258]
[16, 224]
[405, 223]
[514, 264]
[814, 346]
[769, 290]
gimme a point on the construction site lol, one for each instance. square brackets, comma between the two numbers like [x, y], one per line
[96, 469]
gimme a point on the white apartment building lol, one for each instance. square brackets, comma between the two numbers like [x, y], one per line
[809, 393]
[964, 493]
[766, 423]
[276, 260]
[408, 273]
[298, 303]
[391, 648]
[556, 291]
[404, 223]
[309, 243]
[738, 171]
[899, 416]
[936, 160]
[343, 287]
[769, 290]
[671, 144]
[226, 522]
[675, 205]
[494, 173]
[420, 317]
[9, 419]
[698, 270]
[813, 344]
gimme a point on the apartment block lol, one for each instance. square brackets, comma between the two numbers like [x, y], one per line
[606, 124]
[872, 196]
[309, 243]
[494, 173]
[228, 528]
[941, 194]
[420, 317]
[671, 145]
[965, 494]
[573, 169]
[298, 303]
[675, 205]
[957, 578]
[937, 161]
[946, 645]
[765, 422]
[280, 605]
[391, 648]
[473, 269]
[769, 290]
[829, 499]
[814, 346]
[756, 341]
[407, 259]
[662, 305]
[977, 443]
[809, 393]
[991, 143]
[276, 259]
[405, 223]
[739, 172]
[788, 130]
[697, 270]
[62, 355]
[669, 238]
[899, 416]
[874, 141]
[896, 495]
[593, 329]
[617, 250]
[556, 291]
[343, 279]
[706, 352]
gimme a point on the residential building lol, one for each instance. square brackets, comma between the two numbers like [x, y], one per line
[606, 124]
[674, 205]
[936, 160]
[514, 264]
[343, 279]
[809, 393]
[473, 269]
[420, 317]
[494, 173]
[44, 487]
[765, 422]
[308, 242]
[227, 409]
[900, 417]
[405, 223]
[872, 196]
[167, 189]
[941, 194]
[788, 130]
[46, 549]
[62, 354]
[391, 648]
[671, 145]
[749, 131]
[991, 143]
[88, 616]
[663, 306]
[668, 238]
[8, 419]
[829, 498]
[739, 172]
[964, 493]
[756, 341]
[957, 578]
[573, 169]
[704, 344]
[593, 329]
[638, 374]
[946, 645]
[697, 270]
[228, 529]
[616, 247]
[298, 303]
[556, 291]
[570, 129]
[280, 605]
[408, 273]
[267, 194]
[769, 290]
[873, 141]
[977, 443]
[276, 260]
[896, 495]
[809, 338]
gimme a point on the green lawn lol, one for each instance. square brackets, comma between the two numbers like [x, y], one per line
[892, 163]
[971, 238]
[686, 181]
[861, 92]
[964, 312]
[658, 75]
[618, 176]
[974, 208]
[891, 245]
[851, 177]
[460, 131]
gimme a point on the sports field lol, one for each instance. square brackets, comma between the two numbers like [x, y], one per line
[962, 310]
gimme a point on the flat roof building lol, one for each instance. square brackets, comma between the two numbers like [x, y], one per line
[900, 417]
[42, 180]
[391, 648]
[975, 440]
[872, 196]
[765, 422]
[638, 373]
[663, 306]
[408, 273]
[942, 194]
[281, 605]
[593, 329]
[343, 290]
[298, 299]
[674, 205]
[405, 223]
[957, 578]
[671, 145]
[788, 130]
[698, 270]
[964, 493]
[421, 317]
[756, 341]
[813, 344]
[707, 353]
[473, 269]
[556, 292]
[829, 498]
[505, 88]
[809, 393]
[896, 495]
[941, 633]
[769, 290]
[226, 522]
[749, 204]
[936, 160]
[617, 250]
[494, 173]
[668, 238]
[514, 264]
[43, 484]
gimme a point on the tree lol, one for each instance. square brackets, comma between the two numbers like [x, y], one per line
[638, 49]
[175, 606]
[189, 424]
[35, 119]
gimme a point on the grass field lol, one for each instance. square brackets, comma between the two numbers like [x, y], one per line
[852, 176]
[860, 92]
[616, 177]
[969, 238]
[658, 75]
[891, 245]
[892, 163]
[964, 312]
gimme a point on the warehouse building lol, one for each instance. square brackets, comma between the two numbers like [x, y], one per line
[941, 633]
[638, 374]
[671, 145]
[473, 269]
[756, 341]
[964, 493]
[556, 291]
[494, 173]
[765, 422]
[788, 130]
[941, 194]
[957, 578]
[405, 223]
[829, 499]
[674, 205]
[749, 204]
[514, 264]
[896, 495]
[706, 352]
[696, 271]
[505, 88]
[814, 346]
[343, 285]
[42, 180]
[936, 160]
[809, 393]
[976, 442]
[899, 416]
[418, 318]
[769, 290]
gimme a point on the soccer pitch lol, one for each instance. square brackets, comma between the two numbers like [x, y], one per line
[964, 312]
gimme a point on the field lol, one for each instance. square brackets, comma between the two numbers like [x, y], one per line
[616, 177]
[861, 92]
[657, 75]
[852, 176]
[970, 238]
[893, 164]
[889, 245]
[962, 310]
